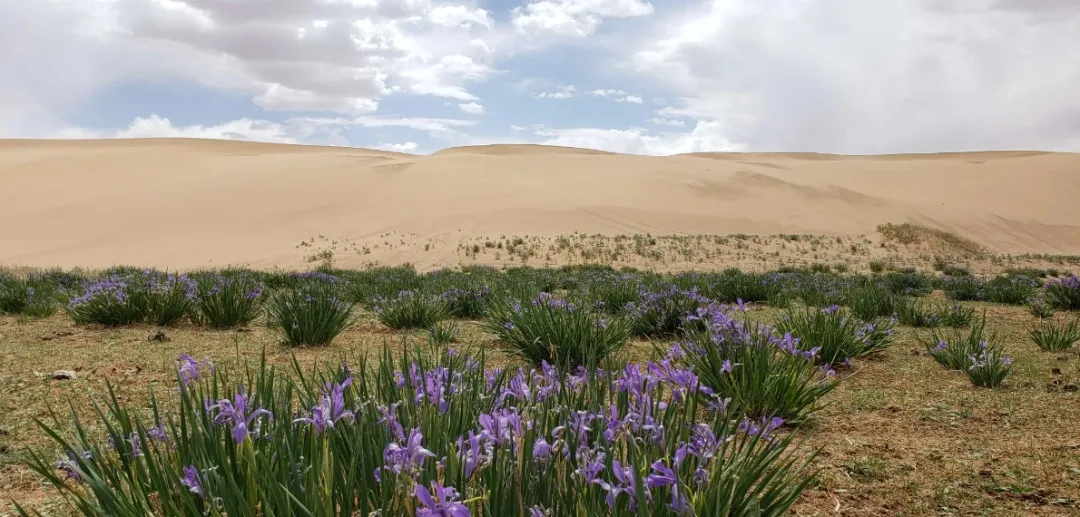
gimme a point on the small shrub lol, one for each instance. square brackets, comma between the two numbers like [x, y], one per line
[662, 312]
[31, 295]
[877, 266]
[411, 310]
[957, 316]
[870, 302]
[227, 300]
[1064, 293]
[909, 282]
[836, 336]
[467, 303]
[1055, 338]
[139, 297]
[916, 313]
[753, 372]
[106, 302]
[954, 349]
[989, 367]
[443, 332]
[310, 315]
[1040, 308]
[964, 288]
[554, 330]
[1011, 290]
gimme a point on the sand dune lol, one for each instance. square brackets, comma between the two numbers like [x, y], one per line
[195, 203]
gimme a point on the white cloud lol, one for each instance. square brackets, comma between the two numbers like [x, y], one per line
[518, 128]
[871, 77]
[617, 96]
[242, 129]
[472, 108]
[459, 15]
[667, 122]
[606, 93]
[705, 137]
[576, 18]
[564, 92]
[404, 147]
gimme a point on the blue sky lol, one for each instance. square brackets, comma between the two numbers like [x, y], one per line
[636, 76]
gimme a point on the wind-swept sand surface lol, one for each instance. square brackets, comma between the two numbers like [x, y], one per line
[182, 204]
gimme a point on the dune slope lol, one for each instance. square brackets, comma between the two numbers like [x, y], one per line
[195, 203]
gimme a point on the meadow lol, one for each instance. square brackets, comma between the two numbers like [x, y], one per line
[575, 390]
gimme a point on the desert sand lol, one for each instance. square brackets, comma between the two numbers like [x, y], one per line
[185, 204]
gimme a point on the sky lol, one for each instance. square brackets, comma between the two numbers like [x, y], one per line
[654, 77]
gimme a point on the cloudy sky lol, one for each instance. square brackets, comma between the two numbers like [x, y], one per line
[637, 76]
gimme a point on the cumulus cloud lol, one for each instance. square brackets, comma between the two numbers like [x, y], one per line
[472, 108]
[617, 96]
[871, 77]
[404, 147]
[154, 126]
[578, 18]
[706, 136]
[564, 92]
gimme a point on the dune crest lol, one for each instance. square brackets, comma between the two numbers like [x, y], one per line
[184, 203]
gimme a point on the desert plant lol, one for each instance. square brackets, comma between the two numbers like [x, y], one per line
[228, 299]
[558, 332]
[31, 295]
[989, 367]
[443, 332]
[1055, 338]
[917, 313]
[310, 315]
[836, 336]
[143, 296]
[964, 288]
[662, 312]
[954, 349]
[956, 316]
[411, 310]
[467, 302]
[1040, 308]
[751, 371]
[1064, 293]
[1011, 289]
[870, 302]
[365, 442]
[907, 282]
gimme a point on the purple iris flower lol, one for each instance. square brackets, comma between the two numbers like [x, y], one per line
[662, 476]
[762, 428]
[542, 450]
[590, 464]
[390, 420]
[191, 481]
[331, 409]
[407, 456]
[501, 426]
[190, 369]
[236, 413]
[518, 388]
[70, 465]
[624, 484]
[444, 503]
[473, 453]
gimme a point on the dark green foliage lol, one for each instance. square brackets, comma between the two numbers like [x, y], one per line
[1055, 338]
[558, 332]
[310, 315]
[871, 301]
[837, 336]
[411, 310]
[228, 299]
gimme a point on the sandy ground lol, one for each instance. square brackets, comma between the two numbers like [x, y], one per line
[183, 204]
